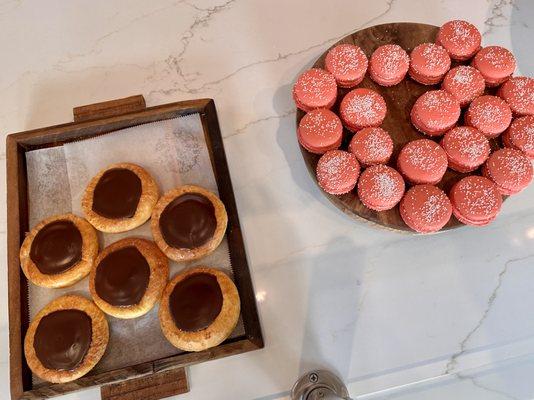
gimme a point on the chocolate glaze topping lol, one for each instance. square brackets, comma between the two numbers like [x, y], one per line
[56, 247]
[122, 277]
[62, 339]
[117, 194]
[188, 221]
[195, 302]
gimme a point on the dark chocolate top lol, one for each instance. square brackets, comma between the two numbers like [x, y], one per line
[117, 194]
[195, 302]
[122, 277]
[188, 221]
[62, 339]
[56, 247]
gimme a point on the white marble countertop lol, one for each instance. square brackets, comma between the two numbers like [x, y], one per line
[381, 309]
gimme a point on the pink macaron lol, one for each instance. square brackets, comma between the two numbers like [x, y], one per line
[520, 135]
[495, 63]
[429, 63]
[422, 161]
[510, 169]
[315, 88]
[518, 92]
[475, 200]
[337, 172]
[465, 83]
[388, 65]
[435, 112]
[425, 208]
[491, 115]
[460, 38]
[466, 148]
[361, 108]
[371, 146]
[319, 131]
[380, 187]
[347, 63]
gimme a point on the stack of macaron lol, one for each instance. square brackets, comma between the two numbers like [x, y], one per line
[462, 141]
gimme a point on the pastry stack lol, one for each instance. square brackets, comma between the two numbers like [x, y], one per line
[199, 307]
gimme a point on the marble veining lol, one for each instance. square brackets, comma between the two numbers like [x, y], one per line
[399, 317]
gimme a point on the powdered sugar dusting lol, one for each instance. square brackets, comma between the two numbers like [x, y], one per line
[322, 125]
[477, 196]
[346, 59]
[315, 85]
[380, 184]
[430, 59]
[423, 155]
[390, 60]
[435, 207]
[521, 134]
[372, 145]
[363, 107]
[519, 93]
[466, 145]
[490, 114]
[497, 57]
[510, 169]
[464, 82]
[336, 169]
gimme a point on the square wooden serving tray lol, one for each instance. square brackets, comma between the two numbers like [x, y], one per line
[150, 380]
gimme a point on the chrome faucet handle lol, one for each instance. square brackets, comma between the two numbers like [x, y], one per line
[319, 385]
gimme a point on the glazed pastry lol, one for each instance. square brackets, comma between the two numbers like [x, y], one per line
[66, 339]
[120, 198]
[59, 251]
[128, 277]
[199, 309]
[188, 223]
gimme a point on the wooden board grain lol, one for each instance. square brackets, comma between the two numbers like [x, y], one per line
[152, 387]
[399, 100]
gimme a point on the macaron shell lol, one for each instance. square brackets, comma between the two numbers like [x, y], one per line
[468, 221]
[489, 114]
[518, 92]
[495, 63]
[362, 108]
[466, 148]
[389, 64]
[347, 63]
[475, 199]
[320, 130]
[435, 112]
[465, 83]
[520, 135]
[425, 208]
[422, 161]
[337, 172]
[510, 169]
[315, 88]
[460, 38]
[380, 187]
[371, 146]
[429, 61]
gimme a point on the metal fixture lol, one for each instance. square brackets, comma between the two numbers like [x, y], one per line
[319, 385]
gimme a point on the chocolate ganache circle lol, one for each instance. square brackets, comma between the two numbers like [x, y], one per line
[117, 194]
[56, 247]
[62, 339]
[195, 302]
[188, 221]
[122, 277]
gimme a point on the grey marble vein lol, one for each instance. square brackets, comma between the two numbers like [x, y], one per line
[477, 383]
[259, 120]
[453, 361]
[497, 18]
[281, 56]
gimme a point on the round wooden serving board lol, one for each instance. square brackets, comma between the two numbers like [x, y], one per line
[399, 99]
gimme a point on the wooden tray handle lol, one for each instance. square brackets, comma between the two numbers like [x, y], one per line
[150, 387]
[110, 108]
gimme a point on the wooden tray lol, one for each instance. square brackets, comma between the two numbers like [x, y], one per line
[399, 99]
[158, 378]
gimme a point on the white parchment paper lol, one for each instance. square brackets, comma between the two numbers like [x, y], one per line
[175, 153]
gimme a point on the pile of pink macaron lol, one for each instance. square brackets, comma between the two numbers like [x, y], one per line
[507, 117]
